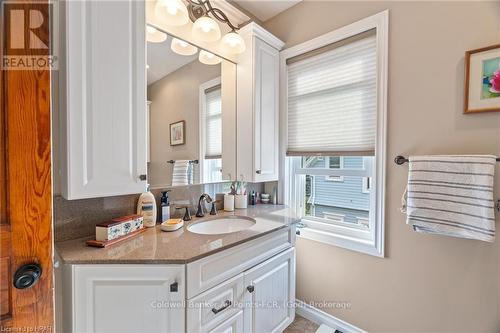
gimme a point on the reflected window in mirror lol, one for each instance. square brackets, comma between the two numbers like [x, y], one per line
[211, 131]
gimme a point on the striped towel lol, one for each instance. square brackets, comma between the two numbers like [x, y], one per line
[452, 195]
[182, 173]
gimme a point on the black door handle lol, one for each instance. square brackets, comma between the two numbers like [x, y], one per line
[27, 275]
[227, 304]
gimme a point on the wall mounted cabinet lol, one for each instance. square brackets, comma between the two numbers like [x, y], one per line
[258, 107]
[103, 99]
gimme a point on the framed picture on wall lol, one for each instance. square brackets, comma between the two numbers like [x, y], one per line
[482, 80]
[177, 135]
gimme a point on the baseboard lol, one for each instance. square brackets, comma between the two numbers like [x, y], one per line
[320, 317]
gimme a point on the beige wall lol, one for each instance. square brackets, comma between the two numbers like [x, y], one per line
[174, 98]
[425, 283]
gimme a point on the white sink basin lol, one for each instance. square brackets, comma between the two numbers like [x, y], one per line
[221, 225]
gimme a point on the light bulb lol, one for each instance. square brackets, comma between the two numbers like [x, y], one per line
[206, 29]
[233, 43]
[171, 12]
[154, 35]
[208, 58]
[183, 48]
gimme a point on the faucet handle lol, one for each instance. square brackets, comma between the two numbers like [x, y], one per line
[187, 213]
[213, 211]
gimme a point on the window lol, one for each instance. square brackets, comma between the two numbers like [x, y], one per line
[335, 118]
[211, 132]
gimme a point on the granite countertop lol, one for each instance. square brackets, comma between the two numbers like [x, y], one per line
[180, 246]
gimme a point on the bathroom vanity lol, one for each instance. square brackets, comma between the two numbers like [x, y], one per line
[183, 281]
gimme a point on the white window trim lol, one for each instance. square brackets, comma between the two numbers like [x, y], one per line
[330, 178]
[375, 244]
[202, 123]
[334, 217]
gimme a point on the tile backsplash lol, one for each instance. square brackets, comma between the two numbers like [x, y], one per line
[77, 218]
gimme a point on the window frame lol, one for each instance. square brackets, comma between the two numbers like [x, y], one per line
[291, 179]
[202, 106]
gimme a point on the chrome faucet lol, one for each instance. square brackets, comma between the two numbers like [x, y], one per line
[200, 211]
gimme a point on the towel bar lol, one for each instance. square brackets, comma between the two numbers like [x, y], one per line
[191, 161]
[400, 160]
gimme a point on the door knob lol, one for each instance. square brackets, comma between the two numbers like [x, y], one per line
[27, 275]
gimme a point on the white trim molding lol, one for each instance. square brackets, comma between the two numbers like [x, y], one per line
[320, 317]
[371, 242]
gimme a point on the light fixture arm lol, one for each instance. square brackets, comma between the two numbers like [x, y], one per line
[216, 12]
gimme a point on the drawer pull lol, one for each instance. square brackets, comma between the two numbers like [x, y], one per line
[250, 289]
[227, 304]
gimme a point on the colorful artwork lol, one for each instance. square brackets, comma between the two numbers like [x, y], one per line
[491, 78]
[177, 133]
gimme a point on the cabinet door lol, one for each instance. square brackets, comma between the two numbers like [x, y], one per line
[104, 118]
[271, 294]
[266, 111]
[128, 298]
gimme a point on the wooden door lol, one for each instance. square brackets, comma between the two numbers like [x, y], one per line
[25, 186]
[271, 292]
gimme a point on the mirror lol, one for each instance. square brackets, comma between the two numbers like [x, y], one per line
[192, 113]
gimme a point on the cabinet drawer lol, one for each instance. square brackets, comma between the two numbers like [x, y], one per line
[212, 270]
[215, 306]
[232, 325]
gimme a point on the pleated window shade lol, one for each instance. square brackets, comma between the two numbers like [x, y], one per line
[213, 123]
[332, 99]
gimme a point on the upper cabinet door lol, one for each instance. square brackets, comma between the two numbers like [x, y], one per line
[258, 107]
[266, 111]
[104, 107]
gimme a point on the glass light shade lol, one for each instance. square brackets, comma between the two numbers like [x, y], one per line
[206, 29]
[183, 48]
[172, 12]
[233, 43]
[208, 58]
[154, 35]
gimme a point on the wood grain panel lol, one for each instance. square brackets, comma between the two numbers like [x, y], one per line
[27, 189]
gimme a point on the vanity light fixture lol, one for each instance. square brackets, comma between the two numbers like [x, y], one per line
[183, 48]
[205, 29]
[172, 12]
[208, 58]
[154, 35]
[233, 43]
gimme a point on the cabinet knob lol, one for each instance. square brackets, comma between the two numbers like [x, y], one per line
[258, 172]
[143, 177]
[27, 275]
[174, 287]
[250, 289]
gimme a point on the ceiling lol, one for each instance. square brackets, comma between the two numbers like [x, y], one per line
[163, 61]
[266, 9]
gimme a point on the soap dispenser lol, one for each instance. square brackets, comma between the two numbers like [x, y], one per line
[164, 206]
[146, 207]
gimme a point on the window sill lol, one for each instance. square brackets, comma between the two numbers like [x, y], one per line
[345, 242]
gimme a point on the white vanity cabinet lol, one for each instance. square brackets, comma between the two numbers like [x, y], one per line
[124, 298]
[247, 288]
[258, 105]
[103, 98]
